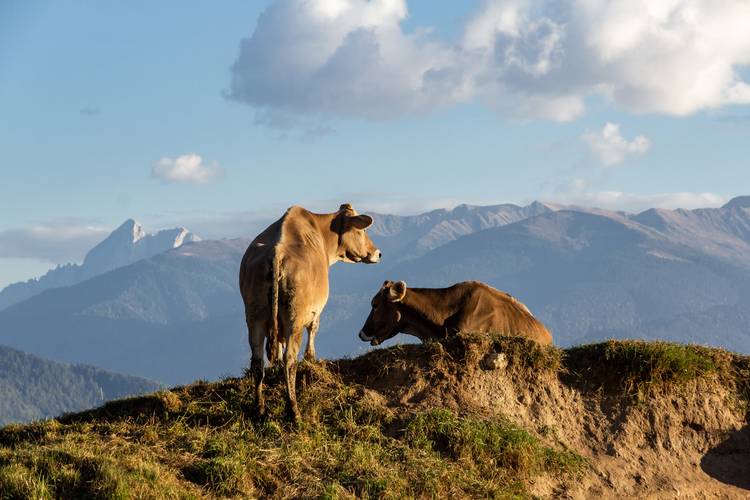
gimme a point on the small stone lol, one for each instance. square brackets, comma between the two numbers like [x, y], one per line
[495, 361]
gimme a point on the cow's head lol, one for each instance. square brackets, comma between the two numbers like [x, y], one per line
[385, 318]
[353, 243]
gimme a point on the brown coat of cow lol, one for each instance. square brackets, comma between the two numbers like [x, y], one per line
[436, 313]
[284, 284]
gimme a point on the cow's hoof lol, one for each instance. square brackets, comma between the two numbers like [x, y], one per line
[261, 415]
[293, 416]
[260, 411]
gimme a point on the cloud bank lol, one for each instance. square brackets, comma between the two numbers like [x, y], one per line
[526, 58]
[611, 148]
[617, 200]
[59, 243]
[185, 169]
[579, 193]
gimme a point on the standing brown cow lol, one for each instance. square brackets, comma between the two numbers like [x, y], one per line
[436, 313]
[284, 284]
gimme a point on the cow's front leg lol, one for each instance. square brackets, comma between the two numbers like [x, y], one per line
[312, 331]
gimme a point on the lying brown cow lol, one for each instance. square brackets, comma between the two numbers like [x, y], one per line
[284, 284]
[437, 313]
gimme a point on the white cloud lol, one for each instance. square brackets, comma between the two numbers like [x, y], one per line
[618, 200]
[188, 169]
[530, 58]
[57, 242]
[578, 193]
[347, 57]
[611, 148]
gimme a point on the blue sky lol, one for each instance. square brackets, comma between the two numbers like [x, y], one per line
[94, 96]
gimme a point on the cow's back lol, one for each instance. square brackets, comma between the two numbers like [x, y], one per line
[294, 244]
[492, 310]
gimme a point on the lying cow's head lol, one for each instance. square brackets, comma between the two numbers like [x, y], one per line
[385, 317]
[353, 243]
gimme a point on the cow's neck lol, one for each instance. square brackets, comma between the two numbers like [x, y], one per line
[330, 238]
[425, 311]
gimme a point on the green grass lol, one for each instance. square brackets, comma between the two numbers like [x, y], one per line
[201, 441]
[640, 367]
[495, 445]
[528, 356]
[524, 355]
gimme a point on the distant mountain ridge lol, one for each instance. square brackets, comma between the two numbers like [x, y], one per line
[723, 232]
[33, 388]
[587, 273]
[125, 245]
[414, 235]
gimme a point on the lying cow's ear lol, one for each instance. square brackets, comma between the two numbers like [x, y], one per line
[360, 221]
[397, 291]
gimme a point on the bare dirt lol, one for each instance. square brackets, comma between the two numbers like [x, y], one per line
[689, 440]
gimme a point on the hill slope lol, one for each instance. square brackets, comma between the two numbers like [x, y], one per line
[33, 388]
[472, 417]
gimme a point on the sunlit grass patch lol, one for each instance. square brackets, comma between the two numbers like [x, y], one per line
[639, 366]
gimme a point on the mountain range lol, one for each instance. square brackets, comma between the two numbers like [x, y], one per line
[587, 273]
[33, 388]
[126, 244]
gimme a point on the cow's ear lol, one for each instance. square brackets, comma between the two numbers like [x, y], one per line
[397, 291]
[360, 221]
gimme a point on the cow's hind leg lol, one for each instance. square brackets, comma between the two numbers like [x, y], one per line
[293, 344]
[257, 334]
[312, 331]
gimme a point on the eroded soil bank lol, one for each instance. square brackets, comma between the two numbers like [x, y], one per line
[654, 420]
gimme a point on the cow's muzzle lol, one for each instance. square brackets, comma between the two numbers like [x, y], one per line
[373, 258]
[364, 337]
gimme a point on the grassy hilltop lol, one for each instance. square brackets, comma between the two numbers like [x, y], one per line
[474, 416]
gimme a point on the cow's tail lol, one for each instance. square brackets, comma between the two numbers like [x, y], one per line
[274, 341]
